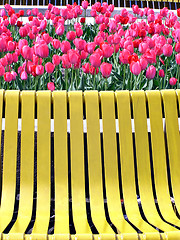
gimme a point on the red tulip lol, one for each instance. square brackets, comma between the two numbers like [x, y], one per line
[56, 60]
[8, 77]
[172, 81]
[49, 67]
[106, 69]
[39, 70]
[51, 86]
[95, 60]
[150, 72]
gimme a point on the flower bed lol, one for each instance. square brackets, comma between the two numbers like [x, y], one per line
[59, 50]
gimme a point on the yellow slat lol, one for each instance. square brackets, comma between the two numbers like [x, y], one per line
[143, 162]
[77, 163]
[111, 163]
[127, 159]
[61, 163]
[173, 139]
[159, 157]
[27, 165]
[94, 163]
[43, 166]
[10, 157]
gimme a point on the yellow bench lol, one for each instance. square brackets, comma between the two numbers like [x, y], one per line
[109, 153]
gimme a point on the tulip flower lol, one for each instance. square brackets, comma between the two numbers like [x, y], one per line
[161, 73]
[39, 70]
[150, 72]
[95, 60]
[8, 77]
[56, 60]
[42, 50]
[65, 46]
[71, 35]
[49, 67]
[106, 69]
[135, 68]
[86, 68]
[84, 4]
[51, 86]
[172, 81]
[2, 70]
[24, 75]
[27, 52]
[167, 50]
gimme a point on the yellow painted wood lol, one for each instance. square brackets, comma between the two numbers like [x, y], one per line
[127, 162]
[159, 157]
[27, 165]
[61, 163]
[10, 156]
[77, 163]
[94, 163]
[43, 166]
[143, 162]
[111, 163]
[173, 139]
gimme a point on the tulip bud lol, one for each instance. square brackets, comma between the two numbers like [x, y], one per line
[106, 69]
[172, 81]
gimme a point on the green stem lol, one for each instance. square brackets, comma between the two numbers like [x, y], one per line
[66, 78]
[124, 76]
[105, 84]
[72, 79]
[94, 83]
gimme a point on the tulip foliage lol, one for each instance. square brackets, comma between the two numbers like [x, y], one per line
[60, 50]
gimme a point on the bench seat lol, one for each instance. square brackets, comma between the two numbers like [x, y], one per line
[96, 181]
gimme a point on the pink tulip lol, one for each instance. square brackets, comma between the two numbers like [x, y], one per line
[123, 56]
[172, 81]
[150, 72]
[8, 77]
[23, 31]
[86, 68]
[106, 69]
[49, 67]
[56, 43]
[85, 4]
[2, 70]
[161, 73]
[79, 43]
[90, 46]
[73, 56]
[95, 60]
[22, 43]
[27, 52]
[35, 11]
[42, 50]
[65, 61]
[51, 86]
[83, 54]
[143, 63]
[107, 50]
[60, 30]
[167, 50]
[11, 46]
[9, 58]
[79, 32]
[39, 70]
[93, 70]
[23, 75]
[65, 46]
[56, 60]
[14, 75]
[47, 38]
[178, 58]
[135, 68]
[71, 35]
